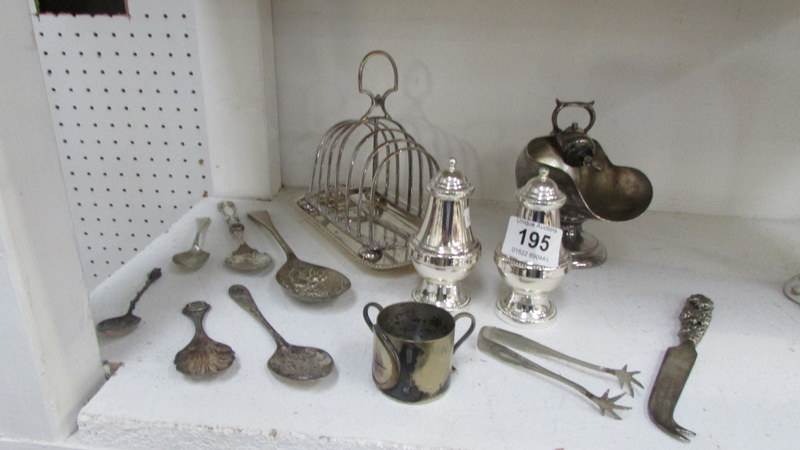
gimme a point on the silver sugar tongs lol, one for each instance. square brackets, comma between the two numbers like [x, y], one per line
[488, 342]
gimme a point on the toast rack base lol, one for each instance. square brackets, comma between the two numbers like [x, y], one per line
[354, 248]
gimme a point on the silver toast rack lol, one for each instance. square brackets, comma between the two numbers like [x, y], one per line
[367, 187]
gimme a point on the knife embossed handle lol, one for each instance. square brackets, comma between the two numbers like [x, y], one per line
[695, 318]
[677, 365]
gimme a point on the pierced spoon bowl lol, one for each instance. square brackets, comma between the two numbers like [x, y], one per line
[304, 281]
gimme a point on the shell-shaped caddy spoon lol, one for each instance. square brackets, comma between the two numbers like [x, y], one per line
[203, 356]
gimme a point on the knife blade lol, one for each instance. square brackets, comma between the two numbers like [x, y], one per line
[677, 365]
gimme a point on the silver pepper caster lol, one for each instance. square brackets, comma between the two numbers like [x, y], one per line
[444, 249]
[530, 258]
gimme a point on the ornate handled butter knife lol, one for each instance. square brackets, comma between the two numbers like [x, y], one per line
[677, 365]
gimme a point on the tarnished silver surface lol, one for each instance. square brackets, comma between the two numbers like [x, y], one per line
[289, 361]
[124, 324]
[489, 340]
[413, 349]
[792, 289]
[445, 250]
[195, 257]
[244, 258]
[595, 188]
[304, 281]
[540, 201]
[677, 365]
[202, 356]
[366, 189]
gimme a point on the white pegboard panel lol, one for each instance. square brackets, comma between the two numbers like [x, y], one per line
[126, 102]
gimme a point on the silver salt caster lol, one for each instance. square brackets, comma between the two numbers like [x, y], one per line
[444, 249]
[530, 258]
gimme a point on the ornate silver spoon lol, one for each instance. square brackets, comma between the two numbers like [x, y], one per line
[203, 355]
[195, 257]
[303, 280]
[289, 361]
[124, 324]
[244, 258]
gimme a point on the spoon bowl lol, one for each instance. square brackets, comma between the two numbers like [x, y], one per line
[118, 326]
[309, 282]
[300, 363]
[191, 259]
[248, 259]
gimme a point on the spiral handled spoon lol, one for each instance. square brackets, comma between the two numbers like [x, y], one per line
[124, 324]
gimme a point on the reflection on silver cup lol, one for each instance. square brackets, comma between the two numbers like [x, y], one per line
[413, 349]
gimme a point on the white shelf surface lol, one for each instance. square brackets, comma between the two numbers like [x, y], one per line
[742, 394]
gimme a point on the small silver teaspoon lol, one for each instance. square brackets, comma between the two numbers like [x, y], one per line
[304, 281]
[290, 361]
[124, 324]
[244, 258]
[195, 257]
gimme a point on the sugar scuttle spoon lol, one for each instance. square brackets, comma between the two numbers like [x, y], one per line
[289, 361]
[124, 324]
[203, 356]
[304, 281]
[244, 258]
[195, 257]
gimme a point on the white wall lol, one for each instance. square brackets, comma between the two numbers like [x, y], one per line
[236, 57]
[51, 362]
[702, 96]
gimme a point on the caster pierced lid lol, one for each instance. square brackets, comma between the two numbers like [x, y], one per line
[450, 184]
[541, 193]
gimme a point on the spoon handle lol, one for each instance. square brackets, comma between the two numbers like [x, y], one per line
[154, 275]
[196, 311]
[228, 210]
[263, 218]
[241, 295]
[202, 226]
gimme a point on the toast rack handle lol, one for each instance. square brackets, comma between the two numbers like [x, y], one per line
[588, 106]
[361, 90]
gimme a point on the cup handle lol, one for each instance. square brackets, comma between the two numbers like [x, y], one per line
[366, 314]
[377, 330]
[387, 344]
[469, 330]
